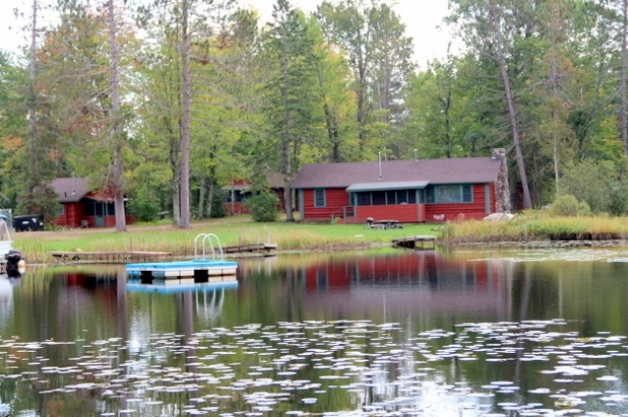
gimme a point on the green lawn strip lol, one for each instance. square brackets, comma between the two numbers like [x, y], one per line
[36, 246]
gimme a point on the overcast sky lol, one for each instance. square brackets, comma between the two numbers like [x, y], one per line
[421, 17]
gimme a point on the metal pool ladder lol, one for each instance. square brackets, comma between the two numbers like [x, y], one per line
[207, 238]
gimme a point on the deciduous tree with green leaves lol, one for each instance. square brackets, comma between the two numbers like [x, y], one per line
[379, 55]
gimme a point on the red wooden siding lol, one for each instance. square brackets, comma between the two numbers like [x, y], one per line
[416, 267]
[108, 221]
[463, 211]
[238, 207]
[405, 213]
[337, 198]
[72, 215]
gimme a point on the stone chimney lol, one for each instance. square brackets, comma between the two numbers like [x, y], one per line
[502, 188]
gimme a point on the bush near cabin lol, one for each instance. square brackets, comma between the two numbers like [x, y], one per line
[263, 207]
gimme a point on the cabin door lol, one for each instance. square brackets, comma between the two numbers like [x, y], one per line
[99, 214]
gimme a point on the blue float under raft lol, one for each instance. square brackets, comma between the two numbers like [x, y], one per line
[199, 270]
[182, 285]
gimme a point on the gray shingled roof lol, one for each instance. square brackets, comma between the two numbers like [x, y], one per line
[70, 190]
[436, 171]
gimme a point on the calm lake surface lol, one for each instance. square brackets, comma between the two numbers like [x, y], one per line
[426, 333]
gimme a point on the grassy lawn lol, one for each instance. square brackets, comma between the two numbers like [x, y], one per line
[164, 237]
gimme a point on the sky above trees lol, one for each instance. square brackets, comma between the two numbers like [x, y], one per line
[422, 20]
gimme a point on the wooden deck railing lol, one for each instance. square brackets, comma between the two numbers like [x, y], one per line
[343, 213]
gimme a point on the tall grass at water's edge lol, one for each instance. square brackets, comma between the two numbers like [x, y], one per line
[37, 246]
[534, 228]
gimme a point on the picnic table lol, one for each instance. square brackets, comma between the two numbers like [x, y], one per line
[388, 224]
[384, 224]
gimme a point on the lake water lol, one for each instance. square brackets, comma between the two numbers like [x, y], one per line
[385, 333]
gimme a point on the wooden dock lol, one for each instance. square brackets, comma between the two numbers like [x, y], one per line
[108, 257]
[416, 242]
[64, 257]
[264, 248]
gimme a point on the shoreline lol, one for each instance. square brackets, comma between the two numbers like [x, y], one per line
[535, 244]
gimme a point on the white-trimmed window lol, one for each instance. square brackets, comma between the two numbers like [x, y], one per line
[319, 198]
[444, 194]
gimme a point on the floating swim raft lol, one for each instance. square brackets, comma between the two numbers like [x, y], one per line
[200, 269]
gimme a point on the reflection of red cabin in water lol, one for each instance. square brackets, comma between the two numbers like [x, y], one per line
[240, 190]
[82, 207]
[416, 280]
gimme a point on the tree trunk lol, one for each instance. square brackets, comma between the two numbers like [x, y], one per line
[287, 195]
[362, 105]
[512, 112]
[201, 198]
[210, 199]
[118, 198]
[288, 176]
[185, 119]
[623, 108]
[176, 197]
[32, 110]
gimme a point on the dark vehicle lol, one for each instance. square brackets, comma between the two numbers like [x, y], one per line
[26, 222]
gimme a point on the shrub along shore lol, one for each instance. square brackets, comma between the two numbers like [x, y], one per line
[530, 229]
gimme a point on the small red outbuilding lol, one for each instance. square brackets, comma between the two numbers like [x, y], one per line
[83, 207]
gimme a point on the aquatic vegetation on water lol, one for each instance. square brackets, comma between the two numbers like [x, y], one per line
[333, 368]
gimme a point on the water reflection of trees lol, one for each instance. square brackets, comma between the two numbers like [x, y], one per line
[420, 290]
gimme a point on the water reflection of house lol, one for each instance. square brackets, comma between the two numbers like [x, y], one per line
[422, 279]
[83, 290]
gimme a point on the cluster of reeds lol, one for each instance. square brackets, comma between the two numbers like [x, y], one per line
[533, 226]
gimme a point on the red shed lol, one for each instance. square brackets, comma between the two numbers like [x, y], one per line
[83, 207]
[409, 191]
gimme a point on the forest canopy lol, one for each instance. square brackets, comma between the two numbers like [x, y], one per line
[168, 102]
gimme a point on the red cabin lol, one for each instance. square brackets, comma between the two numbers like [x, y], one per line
[82, 207]
[406, 191]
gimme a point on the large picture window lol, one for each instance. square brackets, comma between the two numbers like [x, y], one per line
[444, 194]
[385, 198]
[319, 197]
